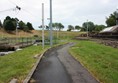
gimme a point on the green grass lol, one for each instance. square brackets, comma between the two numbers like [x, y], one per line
[18, 64]
[100, 60]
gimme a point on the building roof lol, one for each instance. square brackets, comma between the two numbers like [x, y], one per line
[113, 29]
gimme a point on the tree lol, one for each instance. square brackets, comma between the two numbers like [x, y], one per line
[26, 29]
[99, 27]
[111, 20]
[1, 24]
[29, 25]
[53, 25]
[77, 27]
[21, 25]
[47, 27]
[70, 27]
[58, 26]
[9, 24]
[88, 26]
[8, 18]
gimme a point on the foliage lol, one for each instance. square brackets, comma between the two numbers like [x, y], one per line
[29, 25]
[88, 26]
[111, 20]
[77, 27]
[70, 27]
[9, 24]
[58, 26]
[18, 64]
[99, 27]
[21, 25]
[26, 29]
[1, 24]
[101, 60]
[47, 27]
[36, 36]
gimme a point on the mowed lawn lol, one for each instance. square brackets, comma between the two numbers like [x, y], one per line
[18, 64]
[100, 60]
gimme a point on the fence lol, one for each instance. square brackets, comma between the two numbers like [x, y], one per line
[10, 43]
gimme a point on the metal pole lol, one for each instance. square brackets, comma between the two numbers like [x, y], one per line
[16, 29]
[51, 35]
[87, 28]
[43, 25]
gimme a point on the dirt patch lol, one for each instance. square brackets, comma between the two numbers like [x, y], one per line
[108, 42]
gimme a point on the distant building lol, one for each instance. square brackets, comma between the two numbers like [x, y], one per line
[76, 30]
[113, 29]
[110, 32]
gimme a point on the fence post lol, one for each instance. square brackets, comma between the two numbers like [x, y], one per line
[27, 41]
[22, 41]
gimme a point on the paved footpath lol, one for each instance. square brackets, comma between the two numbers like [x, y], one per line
[58, 66]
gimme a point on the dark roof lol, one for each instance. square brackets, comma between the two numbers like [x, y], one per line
[113, 29]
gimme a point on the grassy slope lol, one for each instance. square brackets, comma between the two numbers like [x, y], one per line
[63, 34]
[18, 64]
[101, 60]
[20, 34]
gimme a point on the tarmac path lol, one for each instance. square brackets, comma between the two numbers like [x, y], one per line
[58, 66]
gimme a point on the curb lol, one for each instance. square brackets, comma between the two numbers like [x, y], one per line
[39, 59]
[34, 68]
[27, 79]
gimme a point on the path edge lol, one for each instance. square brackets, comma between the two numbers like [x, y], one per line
[27, 79]
[84, 66]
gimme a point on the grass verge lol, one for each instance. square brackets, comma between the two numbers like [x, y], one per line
[100, 60]
[18, 64]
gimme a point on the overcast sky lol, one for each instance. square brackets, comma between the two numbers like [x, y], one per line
[73, 12]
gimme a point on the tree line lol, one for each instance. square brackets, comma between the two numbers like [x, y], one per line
[55, 26]
[91, 27]
[87, 26]
[10, 24]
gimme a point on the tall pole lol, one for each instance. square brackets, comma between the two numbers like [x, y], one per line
[51, 35]
[16, 30]
[87, 28]
[16, 27]
[43, 25]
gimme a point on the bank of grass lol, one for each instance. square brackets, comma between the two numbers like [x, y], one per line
[100, 60]
[59, 34]
[18, 64]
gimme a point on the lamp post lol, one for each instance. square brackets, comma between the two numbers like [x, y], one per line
[43, 25]
[87, 28]
[50, 26]
[16, 28]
